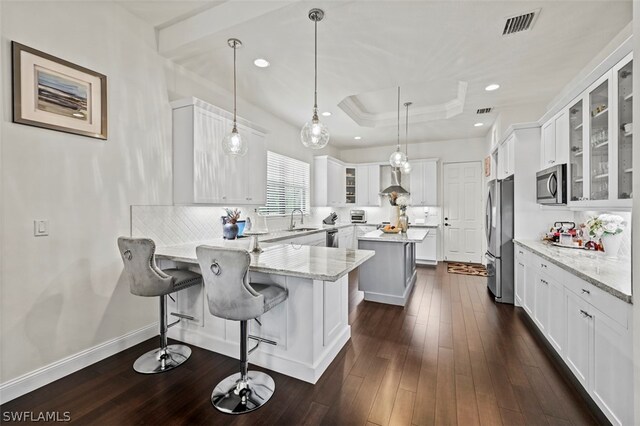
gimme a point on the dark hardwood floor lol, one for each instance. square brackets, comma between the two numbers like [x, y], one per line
[452, 356]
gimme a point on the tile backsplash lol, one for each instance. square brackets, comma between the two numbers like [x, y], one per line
[625, 247]
[169, 225]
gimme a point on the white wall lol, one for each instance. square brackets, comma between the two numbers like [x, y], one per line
[62, 294]
[635, 243]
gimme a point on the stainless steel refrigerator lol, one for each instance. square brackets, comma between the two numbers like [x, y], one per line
[499, 230]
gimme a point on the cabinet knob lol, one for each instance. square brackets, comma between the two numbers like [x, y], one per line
[542, 265]
[585, 291]
[544, 281]
[446, 224]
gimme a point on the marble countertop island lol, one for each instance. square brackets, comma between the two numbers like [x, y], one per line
[608, 274]
[413, 235]
[313, 262]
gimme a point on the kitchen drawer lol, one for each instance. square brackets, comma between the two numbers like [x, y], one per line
[609, 305]
[522, 254]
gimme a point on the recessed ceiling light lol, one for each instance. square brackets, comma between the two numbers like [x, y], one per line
[326, 114]
[357, 138]
[492, 87]
[479, 124]
[261, 63]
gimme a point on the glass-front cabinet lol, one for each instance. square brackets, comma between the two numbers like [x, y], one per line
[600, 141]
[576, 155]
[624, 100]
[350, 185]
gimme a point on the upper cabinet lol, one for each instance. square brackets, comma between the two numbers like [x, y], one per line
[555, 140]
[329, 177]
[202, 172]
[423, 183]
[367, 185]
[593, 135]
[506, 161]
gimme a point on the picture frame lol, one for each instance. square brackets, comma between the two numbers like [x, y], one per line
[55, 94]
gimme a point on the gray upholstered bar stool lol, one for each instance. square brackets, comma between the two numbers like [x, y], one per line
[146, 279]
[231, 296]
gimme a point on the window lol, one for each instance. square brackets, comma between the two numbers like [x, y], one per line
[288, 185]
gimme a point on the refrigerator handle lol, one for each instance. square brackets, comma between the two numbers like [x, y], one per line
[487, 218]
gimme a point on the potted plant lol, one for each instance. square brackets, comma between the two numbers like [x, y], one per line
[608, 228]
[230, 224]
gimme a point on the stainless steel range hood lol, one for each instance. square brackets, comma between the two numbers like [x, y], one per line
[396, 183]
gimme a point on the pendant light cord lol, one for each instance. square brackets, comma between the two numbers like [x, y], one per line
[398, 147]
[234, 84]
[406, 132]
[315, 83]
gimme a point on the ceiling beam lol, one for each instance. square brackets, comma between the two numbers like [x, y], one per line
[205, 24]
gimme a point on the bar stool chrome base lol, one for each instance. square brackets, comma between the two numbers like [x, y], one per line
[236, 396]
[159, 360]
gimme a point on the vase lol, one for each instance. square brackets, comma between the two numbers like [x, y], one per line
[612, 243]
[229, 230]
[395, 214]
[403, 222]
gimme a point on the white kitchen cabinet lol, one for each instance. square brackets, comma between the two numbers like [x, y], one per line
[426, 251]
[541, 304]
[345, 237]
[367, 185]
[600, 151]
[555, 140]
[202, 172]
[506, 155]
[423, 183]
[328, 182]
[579, 336]
[587, 327]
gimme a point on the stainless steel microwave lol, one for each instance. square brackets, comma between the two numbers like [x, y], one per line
[551, 185]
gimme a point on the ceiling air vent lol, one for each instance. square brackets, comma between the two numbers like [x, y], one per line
[484, 111]
[519, 23]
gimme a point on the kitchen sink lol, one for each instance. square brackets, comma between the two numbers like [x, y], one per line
[303, 229]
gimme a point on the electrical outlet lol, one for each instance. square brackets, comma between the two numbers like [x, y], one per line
[40, 228]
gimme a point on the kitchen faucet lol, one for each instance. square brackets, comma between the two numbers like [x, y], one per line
[292, 225]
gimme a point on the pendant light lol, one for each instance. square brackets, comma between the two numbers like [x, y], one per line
[406, 167]
[315, 134]
[233, 143]
[398, 158]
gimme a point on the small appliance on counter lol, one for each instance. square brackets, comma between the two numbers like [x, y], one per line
[358, 216]
[331, 219]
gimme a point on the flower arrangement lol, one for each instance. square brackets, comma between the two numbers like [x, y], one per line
[232, 216]
[403, 202]
[605, 224]
[393, 197]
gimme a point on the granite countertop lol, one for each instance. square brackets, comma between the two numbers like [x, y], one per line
[285, 234]
[608, 274]
[413, 235]
[318, 263]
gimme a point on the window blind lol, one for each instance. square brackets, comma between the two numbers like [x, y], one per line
[288, 185]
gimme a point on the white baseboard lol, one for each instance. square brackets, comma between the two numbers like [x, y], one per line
[35, 379]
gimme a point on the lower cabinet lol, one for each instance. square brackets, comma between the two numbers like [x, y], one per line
[345, 237]
[587, 327]
[426, 251]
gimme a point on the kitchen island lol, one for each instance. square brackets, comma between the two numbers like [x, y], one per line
[391, 276]
[310, 327]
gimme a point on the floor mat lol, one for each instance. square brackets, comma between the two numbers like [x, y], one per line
[466, 269]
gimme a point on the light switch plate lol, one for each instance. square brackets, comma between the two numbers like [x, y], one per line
[40, 228]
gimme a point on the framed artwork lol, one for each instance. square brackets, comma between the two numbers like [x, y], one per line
[487, 166]
[55, 94]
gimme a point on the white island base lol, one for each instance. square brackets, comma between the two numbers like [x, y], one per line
[310, 327]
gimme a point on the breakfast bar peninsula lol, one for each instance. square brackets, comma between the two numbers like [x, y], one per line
[310, 327]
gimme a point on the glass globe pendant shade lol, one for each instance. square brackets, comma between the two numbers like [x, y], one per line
[406, 167]
[233, 144]
[314, 134]
[397, 159]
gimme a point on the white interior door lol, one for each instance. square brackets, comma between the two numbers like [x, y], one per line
[462, 212]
